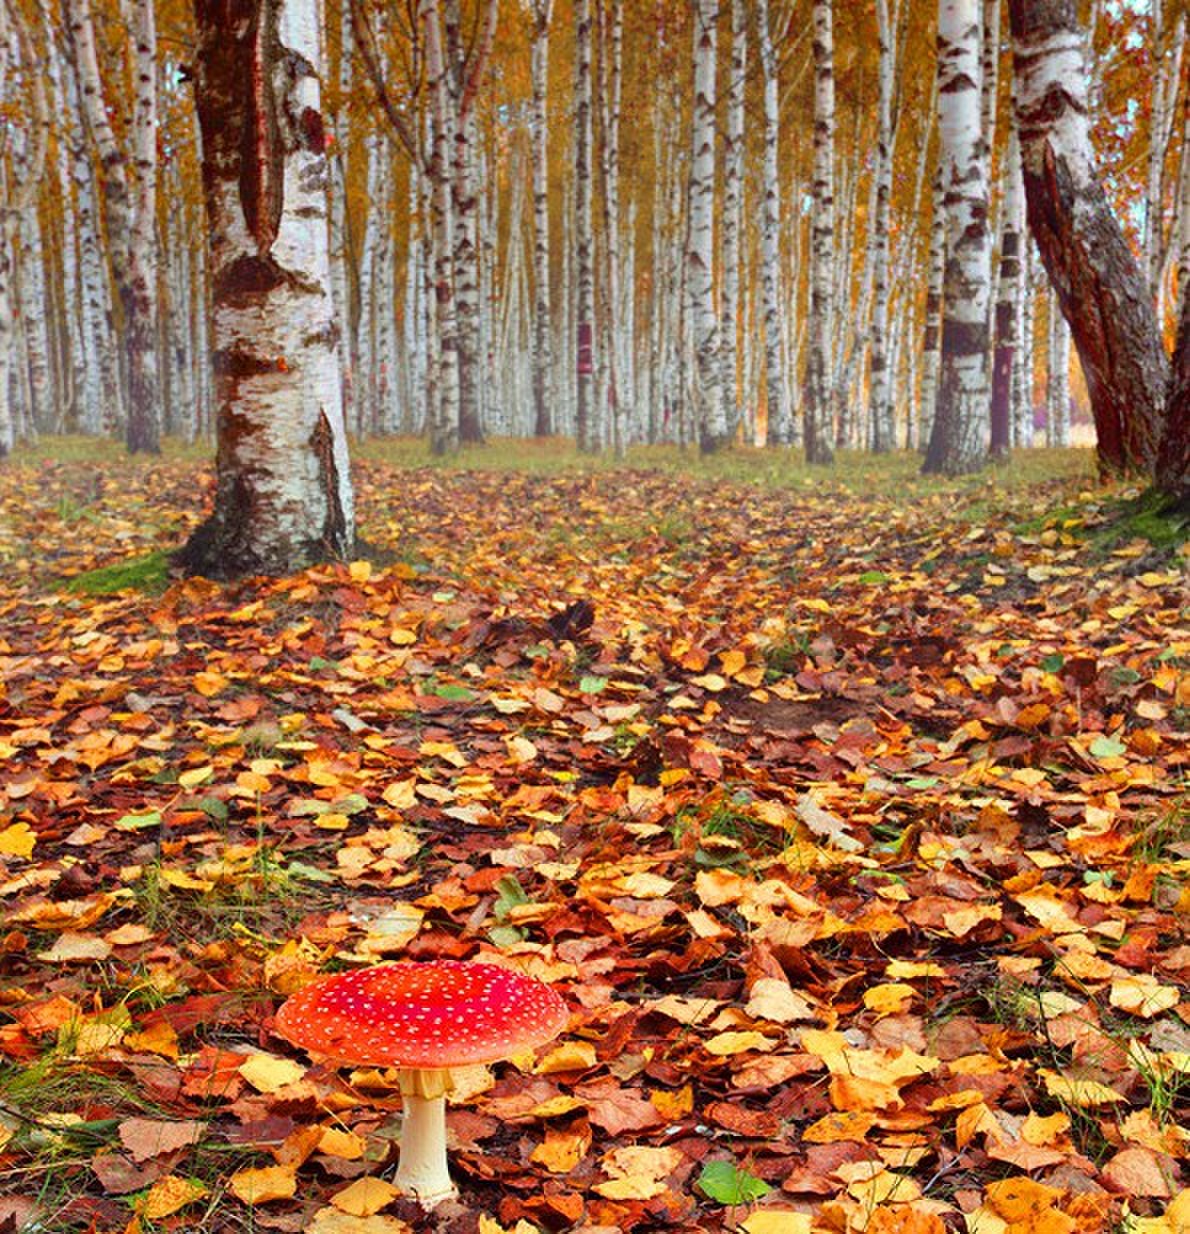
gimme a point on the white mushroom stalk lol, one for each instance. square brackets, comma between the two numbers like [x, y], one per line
[424, 1019]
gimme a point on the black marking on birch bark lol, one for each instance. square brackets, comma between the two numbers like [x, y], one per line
[262, 157]
[334, 532]
[237, 363]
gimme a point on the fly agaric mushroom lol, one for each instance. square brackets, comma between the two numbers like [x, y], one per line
[423, 1018]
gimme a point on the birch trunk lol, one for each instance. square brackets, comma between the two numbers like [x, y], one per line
[1057, 386]
[1173, 458]
[958, 442]
[586, 426]
[1008, 295]
[1103, 294]
[1168, 36]
[609, 78]
[779, 429]
[700, 252]
[880, 388]
[283, 498]
[444, 432]
[129, 197]
[733, 203]
[543, 419]
[819, 365]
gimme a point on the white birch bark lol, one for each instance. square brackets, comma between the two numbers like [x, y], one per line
[587, 428]
[283, 497]
[129, 197]
[1167, 42]
[700, 253]
[931, 360]
[733, 207]
[1008, 297]
[819, 361]
[339, 239]
[880, 404]
[779, 427]
[444, 432]
[1057, 385]
[617, 391]
[1022, 431]
[958, 442]
[1103, 293]
[73, 348]
[543, 418]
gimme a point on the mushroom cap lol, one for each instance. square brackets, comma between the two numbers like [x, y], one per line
[440, 1013]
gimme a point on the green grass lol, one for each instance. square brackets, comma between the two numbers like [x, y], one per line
[149, 574]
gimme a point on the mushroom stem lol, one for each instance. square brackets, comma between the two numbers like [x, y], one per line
[423, 1171]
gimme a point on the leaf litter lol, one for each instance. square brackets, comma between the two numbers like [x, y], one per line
[853, 833]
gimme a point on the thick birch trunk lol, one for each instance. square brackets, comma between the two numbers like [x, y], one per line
[1008, 295]
[958, 442]
[1168, 37]
[283, 497]
[779, 429]
[733, 204]
[1103, 294]
[819, 366]
[587, 428]
[543, 417]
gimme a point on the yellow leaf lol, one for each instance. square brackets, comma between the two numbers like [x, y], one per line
[18, 840]
[723, 1045]
[839, 1127]
[520, 750]
[775, 1000]
[710, 681]
[570, 1056]
[169, 1194]
[673, 1106]
[562, 1149]
[365, 1197]
[195, 776]
[890, 998]
[71, 948]
[330, 1220]
[777, 1221]
[962, 921]
[1021, 1199]
[259, 1186]
[183, 880]
[732, 662]
[209, 684]
[332, 820]
[629, 1189]
[1078, 1092]
[1143, 995]
[360, 571]
[267, 1073]
[336, 1142]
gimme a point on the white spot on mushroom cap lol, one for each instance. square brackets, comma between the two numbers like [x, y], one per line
[439, 1013]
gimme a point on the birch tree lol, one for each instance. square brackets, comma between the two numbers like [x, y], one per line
[733, 203]
[1099, 284]
[779, 430]
[543, 423]
[822, 270]
[700, 249]
[283, 497]
[587, 429]
[880, 391]
[958, 441]
[22, 156]
[130, 207]
[1008, 294]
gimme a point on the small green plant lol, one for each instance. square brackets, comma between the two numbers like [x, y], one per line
[148, 574]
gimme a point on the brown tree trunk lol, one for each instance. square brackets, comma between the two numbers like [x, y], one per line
[1099, 284]
[1173, 457]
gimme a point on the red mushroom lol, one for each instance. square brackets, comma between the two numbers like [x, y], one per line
[423, 1018]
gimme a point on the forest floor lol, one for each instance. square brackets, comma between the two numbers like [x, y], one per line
[847, 813]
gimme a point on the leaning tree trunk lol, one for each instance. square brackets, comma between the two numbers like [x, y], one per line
[1173, 457]
[712, 428]
[543, 419]
[1104, 295]
[283, 498]
[822, 266]
[958, 442]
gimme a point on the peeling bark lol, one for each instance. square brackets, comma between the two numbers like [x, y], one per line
[283, 497]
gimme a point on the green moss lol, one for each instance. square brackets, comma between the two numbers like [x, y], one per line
[148, 574]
